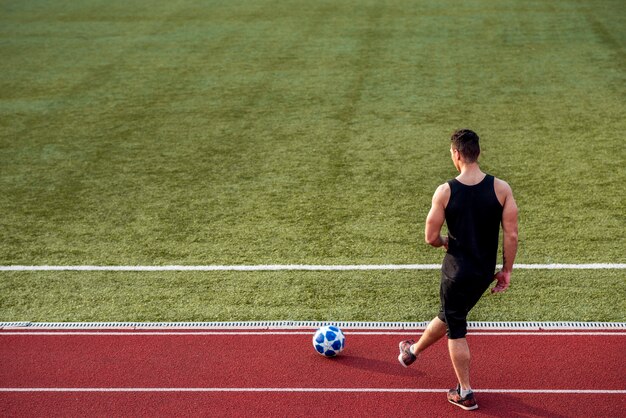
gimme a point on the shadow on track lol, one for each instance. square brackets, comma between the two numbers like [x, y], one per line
[511, 406]
[392, 368]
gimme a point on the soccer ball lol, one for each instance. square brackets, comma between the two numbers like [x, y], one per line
[329, 341]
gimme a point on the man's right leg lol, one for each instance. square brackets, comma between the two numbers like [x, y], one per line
[462, 396]
[460, 356]
[409, 351]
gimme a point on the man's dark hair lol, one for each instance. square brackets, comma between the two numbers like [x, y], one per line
[466, 142]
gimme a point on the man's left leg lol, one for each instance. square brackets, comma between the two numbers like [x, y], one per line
[409, 349]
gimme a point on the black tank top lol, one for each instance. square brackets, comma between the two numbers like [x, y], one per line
[473, 217]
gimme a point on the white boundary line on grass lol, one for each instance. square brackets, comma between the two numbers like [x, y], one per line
[348, 390]
[303, 267]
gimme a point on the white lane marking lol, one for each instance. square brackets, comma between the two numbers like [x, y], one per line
[301, 267]
[196, 333]
[348, 390]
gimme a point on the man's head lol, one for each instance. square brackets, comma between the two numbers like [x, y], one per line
[465, 142]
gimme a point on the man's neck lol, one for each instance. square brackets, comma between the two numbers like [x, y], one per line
[470, 174]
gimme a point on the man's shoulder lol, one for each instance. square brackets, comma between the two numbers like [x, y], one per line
[443, 189]
[501, 185]
[502, 189]
[442, 194]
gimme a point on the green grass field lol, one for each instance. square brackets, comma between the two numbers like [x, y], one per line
[297, 132]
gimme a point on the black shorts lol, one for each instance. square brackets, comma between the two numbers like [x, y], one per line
[458, 296]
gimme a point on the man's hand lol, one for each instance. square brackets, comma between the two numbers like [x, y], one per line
[504, 280]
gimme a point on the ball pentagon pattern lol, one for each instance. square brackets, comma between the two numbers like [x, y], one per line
[329, 341]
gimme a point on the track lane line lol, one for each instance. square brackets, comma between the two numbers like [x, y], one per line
[348, 390]
[200, 333]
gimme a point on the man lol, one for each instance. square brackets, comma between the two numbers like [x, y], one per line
[473, 206]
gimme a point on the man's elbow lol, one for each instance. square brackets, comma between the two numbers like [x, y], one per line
[432, 240]
[511, 236]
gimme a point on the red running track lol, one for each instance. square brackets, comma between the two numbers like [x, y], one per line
[278, 373]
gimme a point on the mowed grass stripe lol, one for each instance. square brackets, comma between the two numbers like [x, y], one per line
[181, 132]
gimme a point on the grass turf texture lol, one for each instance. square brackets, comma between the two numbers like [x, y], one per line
[280, 132]
[323, 296]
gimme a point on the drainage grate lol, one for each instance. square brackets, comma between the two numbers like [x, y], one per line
[314, 324]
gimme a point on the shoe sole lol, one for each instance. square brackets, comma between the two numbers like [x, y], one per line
[467, 408]
[400, 356]
[401, 362]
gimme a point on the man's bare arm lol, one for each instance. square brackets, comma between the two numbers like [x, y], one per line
[509, 229]
[436, 217]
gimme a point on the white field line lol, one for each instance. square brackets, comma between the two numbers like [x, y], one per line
[347, 333]
[289, 267]
[303, 267]
[348, 390]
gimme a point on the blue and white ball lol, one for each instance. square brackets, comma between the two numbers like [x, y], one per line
[329, 341]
